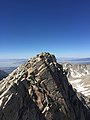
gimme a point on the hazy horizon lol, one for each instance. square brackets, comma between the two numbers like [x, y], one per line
[17, 62]
[69, 57]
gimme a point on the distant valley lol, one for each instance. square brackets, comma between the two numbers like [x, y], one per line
[10, 64]
[3, 74]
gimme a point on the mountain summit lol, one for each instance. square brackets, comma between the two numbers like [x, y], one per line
[39, 90]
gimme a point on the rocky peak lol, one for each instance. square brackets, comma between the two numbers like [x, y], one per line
[39, 90]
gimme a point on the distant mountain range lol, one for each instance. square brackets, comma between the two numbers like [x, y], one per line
[74, 60]
[17, 62]
[81, 59]
[11, 62]
[3, 74]
[8, 65]
[79, 76]
[8, 69]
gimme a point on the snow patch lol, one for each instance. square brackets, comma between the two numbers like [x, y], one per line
[75, 81]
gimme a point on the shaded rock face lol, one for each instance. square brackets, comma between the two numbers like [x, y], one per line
[3, 74]
[39, 90]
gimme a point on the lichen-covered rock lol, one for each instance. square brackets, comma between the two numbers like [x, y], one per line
[39, 90]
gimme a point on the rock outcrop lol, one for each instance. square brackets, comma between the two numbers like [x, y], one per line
[39, 90]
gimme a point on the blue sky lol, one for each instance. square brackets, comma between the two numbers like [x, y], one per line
[28, 27]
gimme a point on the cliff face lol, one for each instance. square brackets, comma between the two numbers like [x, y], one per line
[39, 90]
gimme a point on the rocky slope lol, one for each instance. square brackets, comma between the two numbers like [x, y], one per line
[77, 70]
[79, 76]
[39, 90]
[3, 74]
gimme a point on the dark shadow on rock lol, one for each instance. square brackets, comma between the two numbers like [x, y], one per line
[80, 110]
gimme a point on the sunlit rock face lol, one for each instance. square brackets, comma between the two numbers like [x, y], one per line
[39, 90]
[79, 77]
